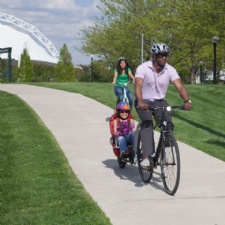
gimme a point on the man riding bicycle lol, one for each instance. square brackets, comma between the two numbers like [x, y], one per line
[152, 79]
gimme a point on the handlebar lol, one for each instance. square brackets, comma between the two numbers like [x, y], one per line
[164, 108]
[123, 84]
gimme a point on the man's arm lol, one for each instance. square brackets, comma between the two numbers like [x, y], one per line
[183, 93]
[138, 92]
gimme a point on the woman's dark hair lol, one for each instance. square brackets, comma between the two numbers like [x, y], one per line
[119, 68]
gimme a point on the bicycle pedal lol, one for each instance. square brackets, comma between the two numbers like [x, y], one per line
[146, 168]
[156, 164]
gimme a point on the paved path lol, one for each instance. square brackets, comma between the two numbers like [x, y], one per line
[120, 193]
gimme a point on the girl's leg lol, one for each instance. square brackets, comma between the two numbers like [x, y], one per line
[122, 142]
[119, 93]
[131, 139]
[130, 98]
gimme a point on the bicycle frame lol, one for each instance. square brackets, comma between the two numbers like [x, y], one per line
[163, 128]
[162, 134]
[124, 87]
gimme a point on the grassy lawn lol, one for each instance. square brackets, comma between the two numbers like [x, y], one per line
[37, 185]
[202, 128]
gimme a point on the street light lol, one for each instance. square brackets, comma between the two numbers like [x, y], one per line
[214, 40]
[201, 75]
[92, 58]
[142, 46]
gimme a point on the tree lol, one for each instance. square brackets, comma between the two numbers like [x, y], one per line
[25, 71]
[64, 68]
[44, 72]
[186, 26]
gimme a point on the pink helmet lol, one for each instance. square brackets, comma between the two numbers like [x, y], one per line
[123, 106]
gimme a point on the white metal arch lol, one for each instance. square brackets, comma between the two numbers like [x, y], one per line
[33, 30]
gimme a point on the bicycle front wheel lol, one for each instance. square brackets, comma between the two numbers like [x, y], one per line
[170, 164]
[145, 171]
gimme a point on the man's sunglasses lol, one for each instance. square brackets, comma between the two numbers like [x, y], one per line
[161, 55]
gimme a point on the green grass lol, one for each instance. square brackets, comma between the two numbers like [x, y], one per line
[37, 185]
[203, 127]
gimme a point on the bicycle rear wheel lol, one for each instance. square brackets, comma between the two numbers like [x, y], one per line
[145, 171]
[170, 164]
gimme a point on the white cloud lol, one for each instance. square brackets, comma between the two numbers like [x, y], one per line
[59, 20]
[60, 4]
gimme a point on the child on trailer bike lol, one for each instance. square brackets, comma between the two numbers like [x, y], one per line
[122, 73]
[124, 129]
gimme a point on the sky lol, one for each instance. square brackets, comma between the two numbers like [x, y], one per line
[59, 20]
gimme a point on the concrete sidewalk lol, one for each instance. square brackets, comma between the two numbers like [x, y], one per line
[79, 125]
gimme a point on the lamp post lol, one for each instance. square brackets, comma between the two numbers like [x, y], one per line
[92, 67]
[142, 46]
[214, 40]
[201, 77]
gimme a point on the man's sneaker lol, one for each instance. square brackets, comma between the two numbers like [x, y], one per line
[145, 163]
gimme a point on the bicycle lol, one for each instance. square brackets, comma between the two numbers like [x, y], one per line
[124, 88]
[167, 155]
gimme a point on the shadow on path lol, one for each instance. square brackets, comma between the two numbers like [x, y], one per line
[130, 172]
